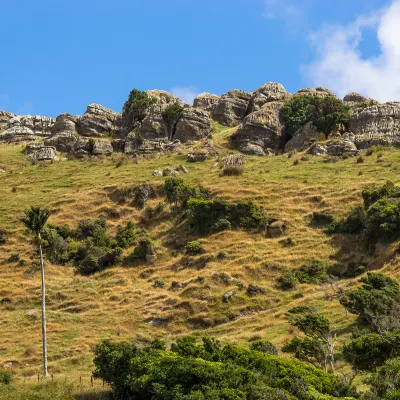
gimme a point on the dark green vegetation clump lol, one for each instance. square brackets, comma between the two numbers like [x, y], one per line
[136, 108]
[314, 272]
[377, 219]
[89, 247]
[171, 116]
[209, 371]
[326, 113]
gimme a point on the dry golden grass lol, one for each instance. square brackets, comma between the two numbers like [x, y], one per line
[121, 302]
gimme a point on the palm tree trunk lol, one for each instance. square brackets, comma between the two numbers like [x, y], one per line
[44, 334]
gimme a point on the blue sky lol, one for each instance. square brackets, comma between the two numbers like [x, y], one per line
[61, 55]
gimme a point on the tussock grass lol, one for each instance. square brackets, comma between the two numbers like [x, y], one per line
[122, 303]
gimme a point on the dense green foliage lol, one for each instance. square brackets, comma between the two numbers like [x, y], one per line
[136, 108]
[378, 217]
[89, 246]
[317, 346]
[193, 248]
[376, 302]
[171, 116]
[209, 371]
[385, 383]
[314, 272]
[6, 377]
[264, 346]
[326, 113]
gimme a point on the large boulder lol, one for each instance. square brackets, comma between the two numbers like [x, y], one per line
[261, 131]
[341, 147]
[64, 142]
[271, 91]
[232, 107]
[206, 101]
[163, 99]
[97, 121]
[44, 153]
[65, 123]
[194, 124]
[354, 99]
[5, 117]
[153, 126]
[102, 147]
[304, 137]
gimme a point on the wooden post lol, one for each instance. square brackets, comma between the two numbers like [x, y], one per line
[38, 378]
[91, 380]
[103, 382]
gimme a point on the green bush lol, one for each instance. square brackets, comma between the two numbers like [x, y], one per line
[6, 377]
[159, 284]
[209, 371]
[144, 247]
[194, 248]
[126, 235]
[15, 257]
[171, 116]
[385, 383]
[264, 346]
[177, 191]
[314, 272]
[287, 281]
[222, 225]
[326, 113]
[136, 108]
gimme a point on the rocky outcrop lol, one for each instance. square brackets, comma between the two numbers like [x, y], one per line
[319, 91]
[97, 121]
[153, 126]
[318, 150]
[206, 101]
[271, 91]
[25, 127]
[304, 137]
[261, 132]
[163, 99]
[65, 123]
[232, 107]
[194, 124]
[5, 117]
[140, 146]
[341, 147]
[40, 152]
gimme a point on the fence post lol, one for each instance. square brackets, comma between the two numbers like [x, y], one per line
[91, 380]
[38, 378]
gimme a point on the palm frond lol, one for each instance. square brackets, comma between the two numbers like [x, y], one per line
[35, 219]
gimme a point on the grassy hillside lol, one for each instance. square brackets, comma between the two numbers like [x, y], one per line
[122, 302]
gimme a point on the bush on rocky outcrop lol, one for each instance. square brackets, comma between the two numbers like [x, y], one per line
[171, 116]
[209, 371]
[136, 108]
[325, 112]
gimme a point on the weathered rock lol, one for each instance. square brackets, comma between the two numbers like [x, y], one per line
[304, 137]
[319, 91]
[340, 147]
[194, 124]
[16, 134]
[318, 150]
[354, 97]
[276, 229]
[39, 126]
[83, 143]
[163, 99]
[271, 91]
[363, 142]
[228, 295]
[232, 107]
[64, 142]
[254, 290]
[5, 118]
[206, 101]
[260, 130]
[197, 156]
[33, 147]
[97, 121]
[65, 123]
[44, 153]
[153, 126]
[169, 172]
[157, 173]
[176, 285]
[102, 147]
[181, 168]
[118, 145]
[81, 153]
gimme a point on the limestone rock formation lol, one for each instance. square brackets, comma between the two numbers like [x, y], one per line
[271, 91]
[97, 121]
[5, 117]
[153, 126]
[304, 137]
[102, 148]
[260, 131]
[25, 127]
[340, 147]
[206, 101]
[163, 99]
[194, 124]
[64, 142]
[65, 123]
[318, 150]
[231, 107]
[319, 91]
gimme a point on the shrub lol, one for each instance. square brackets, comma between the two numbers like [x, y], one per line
[15, 257]
[222, 225]
[126, 235]
[264, 346]
[144, 247]
[159, 284]
[209, 370]
[3, 236]
[326, 113]
[287, 281]
[171, 116]
[6, 377]
[314, 272]
[136, 108]
[385, 383]
[177, 191]
[194, 248]
[355, 223]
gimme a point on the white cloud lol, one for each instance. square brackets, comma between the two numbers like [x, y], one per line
[185, 93]
[340, 66]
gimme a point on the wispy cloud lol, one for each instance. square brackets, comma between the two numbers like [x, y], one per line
[340, 65]
[290, 12]
[185, 93]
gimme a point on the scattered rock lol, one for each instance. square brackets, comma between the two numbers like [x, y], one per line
[231, 107]
[197, 156]
[176, 285]
[44, 153]
[260, 131]
[158, 322]
[169, 172]
[157, 173]
[206, 101]
[201, 322]
[276, 229]
[318, 150]
[254, 290]
[33, 147]
[228, 295]
[338, 148]
[181, 168]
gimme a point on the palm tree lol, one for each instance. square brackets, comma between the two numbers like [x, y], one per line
[35, 220]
